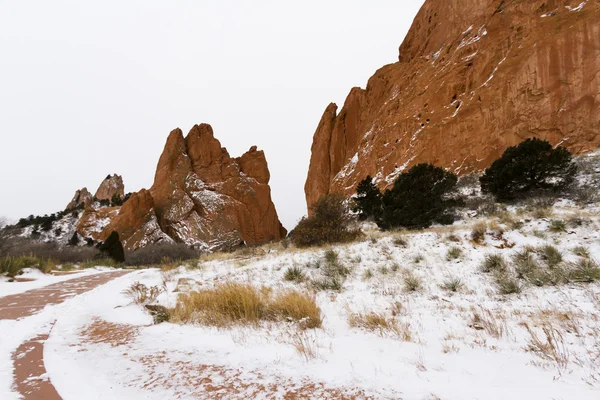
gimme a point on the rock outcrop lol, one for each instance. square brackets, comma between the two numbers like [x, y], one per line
[136, 223]
[473, 77]
[110, 187]
[82, 198]
[94, 220]
[201, 197]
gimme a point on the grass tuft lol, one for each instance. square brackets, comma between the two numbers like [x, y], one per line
[323, 284]
[581, 251]
[241, 304]
[494, 263]
[412, 283]
[478, 232]
[551, 255]
[454, 253]
[551, 347]
[333, 271]
[376, 322]
[295, 307]
[557, 225]
[542, 212]
[142, 294]
[400, 241]
[507, 284]
[453, 238]
[486, 321]
[294, 274]
[453, 285]
[525, 263]
[585, 271]
[331, 256]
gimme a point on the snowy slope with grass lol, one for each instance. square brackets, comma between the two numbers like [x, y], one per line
[416, 317]
[503, 304]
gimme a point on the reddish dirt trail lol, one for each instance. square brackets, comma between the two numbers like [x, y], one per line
[185, 379]
[30, 377]
[192, 380]
[30, 374]
[25, 304]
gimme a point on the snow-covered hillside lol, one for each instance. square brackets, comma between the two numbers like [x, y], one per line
[503, 304]
[476, 343]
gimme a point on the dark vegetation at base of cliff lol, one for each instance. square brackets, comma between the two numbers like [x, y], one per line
[420, 197]
[427, 194]
[533, 166]
[17, 247]
[161, 253]
[17, 253]
[331, 223]
[113, 248]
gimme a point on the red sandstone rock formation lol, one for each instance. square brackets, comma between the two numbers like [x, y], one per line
[82, 197]
[94, 220]
[473, 77]
[202, 197]
[111, 186]
[136, 223]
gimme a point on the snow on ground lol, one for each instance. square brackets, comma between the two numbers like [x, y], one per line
[15, 332]
[105, 347]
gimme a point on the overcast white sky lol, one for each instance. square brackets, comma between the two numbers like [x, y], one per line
[89, 88]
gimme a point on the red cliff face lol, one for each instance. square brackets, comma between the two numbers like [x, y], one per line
[82, 198]
[473, 78]
[202, 197]
[111, 186]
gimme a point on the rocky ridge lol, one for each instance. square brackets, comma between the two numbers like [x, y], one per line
[81, 199]
[110, 187]
[201, 196]
[473, 77]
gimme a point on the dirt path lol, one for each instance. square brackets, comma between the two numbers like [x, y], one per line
[185, 379]
[162, 370]
[25, 304]
[30, 377]
[31, 380]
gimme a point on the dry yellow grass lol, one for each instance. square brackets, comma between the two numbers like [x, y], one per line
[295, 306]
[371, 321]
[305, 343]
[492, 324]
[220, 306]
[478, 231]
[550, 347]
[235, 303]
[379, 323]
[142, 294]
